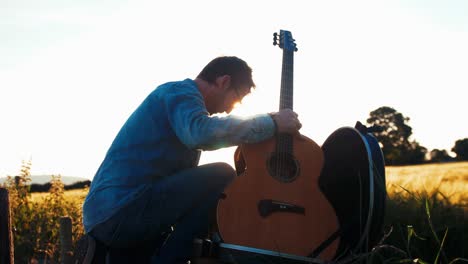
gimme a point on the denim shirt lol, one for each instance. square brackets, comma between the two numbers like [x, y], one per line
[163, 136]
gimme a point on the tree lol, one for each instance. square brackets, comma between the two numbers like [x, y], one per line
[439, 155]
[461, 149]
[394, 137]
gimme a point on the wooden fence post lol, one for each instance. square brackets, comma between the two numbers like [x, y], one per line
[6, 235]
[66, 253]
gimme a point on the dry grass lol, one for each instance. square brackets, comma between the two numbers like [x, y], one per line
[450, 180]
[76, 196]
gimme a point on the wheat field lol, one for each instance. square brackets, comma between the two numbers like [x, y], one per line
[75, 196]
[449, 179]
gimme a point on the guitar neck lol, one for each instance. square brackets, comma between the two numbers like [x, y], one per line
[286, 95]
[284, 141]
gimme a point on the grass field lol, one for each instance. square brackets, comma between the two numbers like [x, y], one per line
[427, 211]
[449, 179]
[76, 196]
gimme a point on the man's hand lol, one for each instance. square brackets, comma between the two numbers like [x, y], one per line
[286, 121]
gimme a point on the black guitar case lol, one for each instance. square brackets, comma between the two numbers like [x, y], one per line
[353, 180]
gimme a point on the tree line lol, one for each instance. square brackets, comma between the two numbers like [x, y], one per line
[45, 187]
[394, 138]
[36, 187]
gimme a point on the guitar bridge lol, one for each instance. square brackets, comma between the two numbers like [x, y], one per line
[267, 207]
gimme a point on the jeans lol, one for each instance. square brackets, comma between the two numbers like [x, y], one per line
[185, 201]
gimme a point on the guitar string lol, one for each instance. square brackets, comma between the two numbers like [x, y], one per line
[284, 144]
[285, 102]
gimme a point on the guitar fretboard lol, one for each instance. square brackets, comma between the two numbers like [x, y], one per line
[286, 95]
[284, 141]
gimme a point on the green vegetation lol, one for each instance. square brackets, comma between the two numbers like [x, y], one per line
[36, 222]
[426, 215]
[424, 228]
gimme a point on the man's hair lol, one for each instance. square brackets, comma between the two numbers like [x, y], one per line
[240, 72]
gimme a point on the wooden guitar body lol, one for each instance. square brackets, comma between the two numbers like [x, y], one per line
[239, 217]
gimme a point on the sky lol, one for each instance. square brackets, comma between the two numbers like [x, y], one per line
[71, 72]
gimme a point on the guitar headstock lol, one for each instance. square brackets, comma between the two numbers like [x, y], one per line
[285, 40]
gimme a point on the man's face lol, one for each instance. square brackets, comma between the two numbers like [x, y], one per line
[233, 96]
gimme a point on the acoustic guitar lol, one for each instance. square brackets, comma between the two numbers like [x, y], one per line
[276, 203]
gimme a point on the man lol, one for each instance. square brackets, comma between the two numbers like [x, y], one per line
[150, 180]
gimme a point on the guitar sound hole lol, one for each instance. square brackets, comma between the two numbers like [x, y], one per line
[283, 167]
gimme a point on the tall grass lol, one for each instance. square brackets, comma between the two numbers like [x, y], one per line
[35, 222]
[426, 215]
[449, 181]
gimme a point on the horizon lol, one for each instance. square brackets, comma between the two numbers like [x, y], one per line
[41, 179]
[71, 74]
